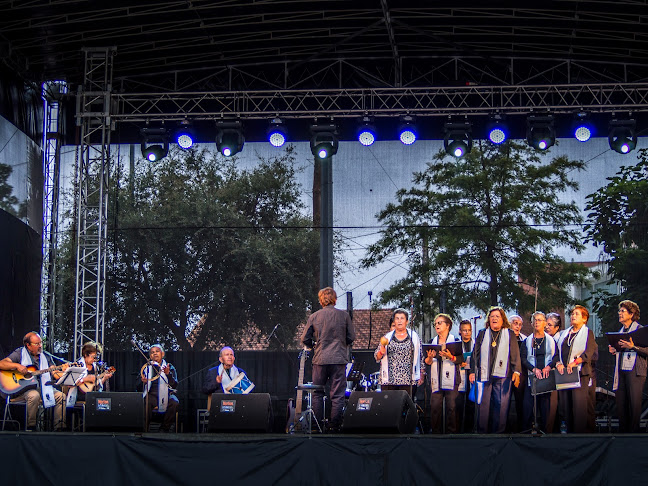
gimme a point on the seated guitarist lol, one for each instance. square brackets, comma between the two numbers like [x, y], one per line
[31, 354]
[89, 381]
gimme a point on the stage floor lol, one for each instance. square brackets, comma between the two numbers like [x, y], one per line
[264, 459]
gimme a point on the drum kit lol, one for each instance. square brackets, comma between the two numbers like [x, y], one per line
[358, 381]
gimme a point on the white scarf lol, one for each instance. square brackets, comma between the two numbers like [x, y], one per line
[464, 371]
[628, 359]
[550, 351]
[500, 365]
[416, 369]
[578, 346]
[448, 369]
[228, 379]
[47, 391]
[163, 391]
[72, 393]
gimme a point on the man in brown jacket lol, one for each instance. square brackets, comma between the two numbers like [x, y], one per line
[330, 332]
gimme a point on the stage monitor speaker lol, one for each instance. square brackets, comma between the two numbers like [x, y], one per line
[114, 412]
[240, 413]
[388, 412]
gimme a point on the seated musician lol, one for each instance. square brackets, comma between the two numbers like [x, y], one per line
[226, 377]
[160, 380]
[88, 382]
[31, 354]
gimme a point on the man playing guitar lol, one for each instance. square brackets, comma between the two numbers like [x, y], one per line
[25, 360]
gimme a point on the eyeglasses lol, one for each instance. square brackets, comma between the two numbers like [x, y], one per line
[36, 344]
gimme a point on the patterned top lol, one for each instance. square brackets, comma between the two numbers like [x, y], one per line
[400, 361]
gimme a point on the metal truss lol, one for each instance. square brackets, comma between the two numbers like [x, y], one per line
[93, 115]
[384, 102]
[51, 173]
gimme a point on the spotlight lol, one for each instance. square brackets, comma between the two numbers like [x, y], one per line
[367, 132]
[458, 139]
[407, 130]
[155, 143]
[229, 137]
[324, 142]
[276, 133]
[582, 128]
[497, 130]
[540, 132]
[622, 136]
[185, 136]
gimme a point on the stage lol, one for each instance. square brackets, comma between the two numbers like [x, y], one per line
[125, 459]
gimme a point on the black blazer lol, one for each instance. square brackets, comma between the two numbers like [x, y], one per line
[515, 364]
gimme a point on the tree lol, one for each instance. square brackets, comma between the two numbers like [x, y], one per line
[194, 236]
[474, 229]
[7, 199]
[618, 223]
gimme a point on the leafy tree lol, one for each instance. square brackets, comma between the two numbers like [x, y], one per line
[194, 236]
[475, 229]
[7, 199]
[618, 223]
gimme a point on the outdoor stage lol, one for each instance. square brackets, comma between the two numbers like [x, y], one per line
[124, 459]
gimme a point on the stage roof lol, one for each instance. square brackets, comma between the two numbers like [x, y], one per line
[204, 45]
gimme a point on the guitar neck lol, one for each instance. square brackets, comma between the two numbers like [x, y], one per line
[300, 381]
[47, 370]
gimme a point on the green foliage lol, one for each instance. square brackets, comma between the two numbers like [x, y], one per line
[475, 228]
[618, 222]
[193, 235]
[7, 199]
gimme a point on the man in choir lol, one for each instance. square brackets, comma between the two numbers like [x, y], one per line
[518, 392]
[465, 408]
[577, 348]
[226, 377]
[496, 365]
[42, 390]
[539, 356]
[160, 380]
[629, 370]
[330, 333]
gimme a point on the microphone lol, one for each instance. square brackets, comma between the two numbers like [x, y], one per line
[477, 317]
[273, 331]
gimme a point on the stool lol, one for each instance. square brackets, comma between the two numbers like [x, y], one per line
[309, 388]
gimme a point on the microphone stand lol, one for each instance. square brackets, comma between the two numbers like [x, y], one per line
[145, 385]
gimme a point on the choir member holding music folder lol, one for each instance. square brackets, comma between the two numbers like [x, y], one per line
[630, 347]
[539, 356]
[27, 375]
[577, 347]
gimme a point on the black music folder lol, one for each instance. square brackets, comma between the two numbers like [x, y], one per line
[455, 348]
[544, 385]
[639, 338]
[567, 381]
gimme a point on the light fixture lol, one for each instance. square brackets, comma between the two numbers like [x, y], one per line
[497, 130]
[154, 144]
[276, 133]
[457, 140]
[324, 142]
[366, 132]
[540, 131]
[622, 136]
[583, 129]
[229, 137]
[185, 135]
[407, 132]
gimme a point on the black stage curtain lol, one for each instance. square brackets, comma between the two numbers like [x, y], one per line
[100, 459]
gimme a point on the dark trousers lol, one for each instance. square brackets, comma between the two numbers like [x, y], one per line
[465, 418]
[436, 411]
[518, 398]
[543, 407]
[337, 375]
[577, 407]
[553, 425]
[494, 406]
[628, 400]
[169, 416]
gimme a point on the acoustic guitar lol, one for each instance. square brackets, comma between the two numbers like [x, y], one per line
[90, 387]
[13, 382]
[294, 409]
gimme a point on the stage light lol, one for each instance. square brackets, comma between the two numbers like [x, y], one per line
[407, 132]
[155, 143]
[540, 132]
[621, 135]
[324, 142]
[229, 137]
[582, 128]
[497, 130]
[457, 140]
[366, 132]
[184, 136]
[277, 133]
